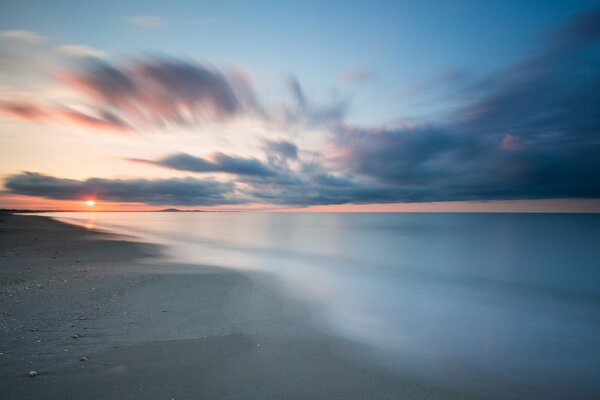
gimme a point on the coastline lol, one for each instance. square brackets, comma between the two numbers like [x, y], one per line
[156, 330]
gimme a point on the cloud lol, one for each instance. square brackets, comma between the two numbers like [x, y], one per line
[22, 37]
[186, 191]
[161, 91]
[77, 50]
[146, 22]
[447, 81]
[28, 58]
[26, 111]
[360, 75]
[532, 132]
[306, 112]
[101, 119]
[104, 120]
[283, 179]
[23, 53]
[510, 142]
[217, 162]
[281, 148]
[150, 91]
[311, 184]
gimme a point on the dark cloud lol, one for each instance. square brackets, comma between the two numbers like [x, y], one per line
[532, 132]
[163, 91]
[318, 194]
[313, 185]
[281, 148]
[149, 191]
[304, 183]
[297, 92]
[274, 170]
[218, 162]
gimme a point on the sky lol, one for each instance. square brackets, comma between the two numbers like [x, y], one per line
[300, 106]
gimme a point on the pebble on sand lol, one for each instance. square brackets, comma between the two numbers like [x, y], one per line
[33, 373]
[83, 358]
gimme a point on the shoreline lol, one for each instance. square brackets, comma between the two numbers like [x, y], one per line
[158, 330]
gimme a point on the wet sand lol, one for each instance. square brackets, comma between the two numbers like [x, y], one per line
[150, 329]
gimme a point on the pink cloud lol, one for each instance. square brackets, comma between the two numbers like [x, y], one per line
[38, 113]
[24, 110]
[510, 142]
[359, 75]
[105, 121]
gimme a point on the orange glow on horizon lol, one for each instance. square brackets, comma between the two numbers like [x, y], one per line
[557, 205]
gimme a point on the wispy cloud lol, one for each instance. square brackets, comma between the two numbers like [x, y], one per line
[23, 37]
[146, 22]
[27, 56]
[304, 111]
[103, 119]
[98, 119]
[281, 148]
[216, 162]
[359, 75]
[77, 50]
[163, 91]
[26, 111]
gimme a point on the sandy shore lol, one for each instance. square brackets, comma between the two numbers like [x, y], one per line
[151, 330]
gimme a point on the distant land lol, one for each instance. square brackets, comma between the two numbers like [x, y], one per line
[15, 210]
[177, 210]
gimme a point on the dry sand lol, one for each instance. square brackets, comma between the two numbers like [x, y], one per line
[154, 330]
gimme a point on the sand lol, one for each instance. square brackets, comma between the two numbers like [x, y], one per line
[151, 329]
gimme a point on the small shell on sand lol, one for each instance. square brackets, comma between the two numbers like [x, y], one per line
[32, 373]
[83, 358]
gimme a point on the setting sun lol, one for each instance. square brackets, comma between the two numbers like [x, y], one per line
[90, 203]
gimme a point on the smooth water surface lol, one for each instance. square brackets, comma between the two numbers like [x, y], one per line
[482, 298]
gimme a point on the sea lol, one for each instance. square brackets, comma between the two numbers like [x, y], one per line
[474, 297]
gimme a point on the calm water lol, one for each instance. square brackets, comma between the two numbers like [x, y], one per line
[465, 296]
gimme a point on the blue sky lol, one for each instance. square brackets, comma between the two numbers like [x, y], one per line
[405, 44]
[423, 90]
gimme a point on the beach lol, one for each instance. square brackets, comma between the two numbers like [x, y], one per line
[99, 316]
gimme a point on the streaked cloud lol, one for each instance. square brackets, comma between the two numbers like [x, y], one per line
[23, 37]
[26, 111]
[103, 119]
[78, 50]
[97, 119]
[163, 91]
[359, 75]
[217, 162]
[185, 191]
[281, 149]
[146, 22]
[304, 111]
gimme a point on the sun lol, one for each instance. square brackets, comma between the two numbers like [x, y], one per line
[90, 203]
